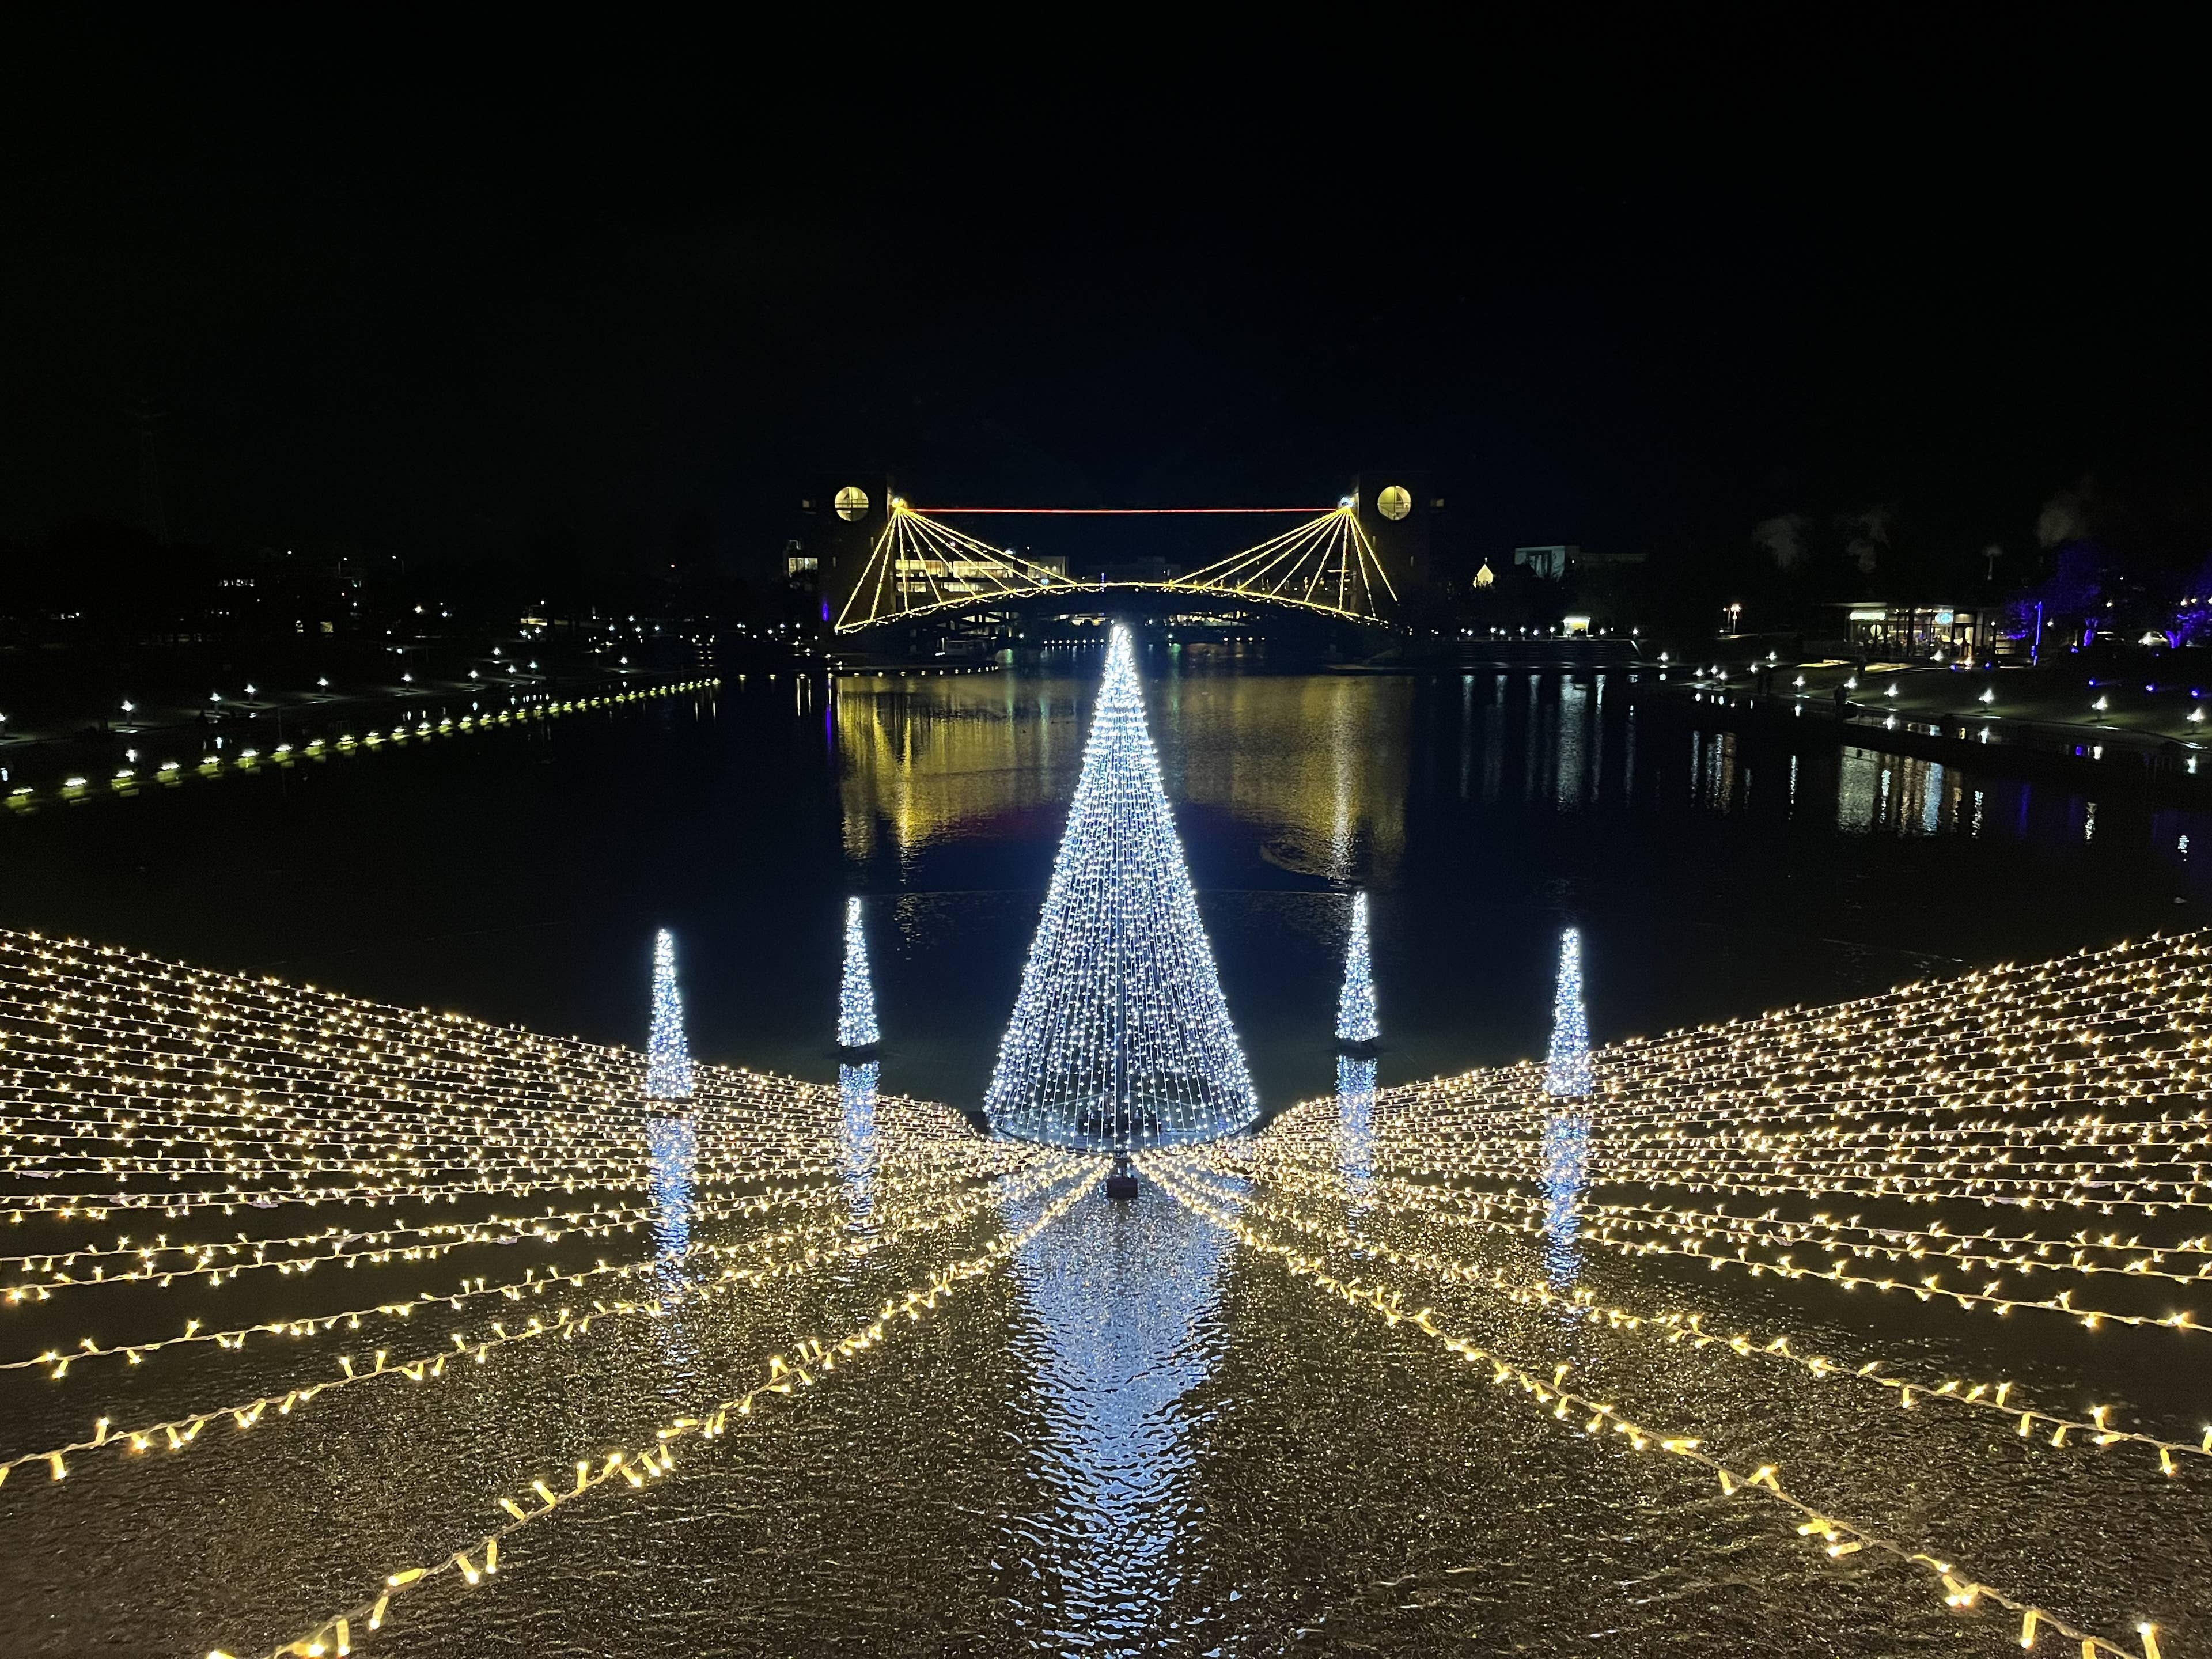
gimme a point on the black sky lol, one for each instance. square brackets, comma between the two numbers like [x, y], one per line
[409, 293]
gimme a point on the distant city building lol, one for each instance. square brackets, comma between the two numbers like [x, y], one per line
[1551, 564]
[1548, 563]
[1967, 633]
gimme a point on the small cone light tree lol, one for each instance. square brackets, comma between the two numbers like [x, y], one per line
[667, 1054]
[1567, 1071]
[1355, 1004]
[856, 994]
[1121, 1035]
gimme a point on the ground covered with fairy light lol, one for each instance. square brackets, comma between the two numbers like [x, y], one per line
[336, 1327]
[1850, 1330]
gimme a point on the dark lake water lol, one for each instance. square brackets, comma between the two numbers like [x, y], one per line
[519, 875]
[1137, 1438]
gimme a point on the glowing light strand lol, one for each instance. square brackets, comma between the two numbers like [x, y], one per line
[808, 1364]
[1839, 1537]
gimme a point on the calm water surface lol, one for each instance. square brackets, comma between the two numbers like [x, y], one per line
[1136, 1439]
[519, 875]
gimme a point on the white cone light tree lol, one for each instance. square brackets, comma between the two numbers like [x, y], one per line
[1567, 1070]
[667, 1052]
[1121, 1035]
[856, 994]
[1355, 1003]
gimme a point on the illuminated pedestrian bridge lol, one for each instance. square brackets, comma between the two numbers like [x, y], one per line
[920, 566]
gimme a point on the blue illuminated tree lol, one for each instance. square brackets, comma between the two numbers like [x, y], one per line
[1120, 1036]
[667, 1054]
[856, 995]
[1355, 1004]
[1567, 1069]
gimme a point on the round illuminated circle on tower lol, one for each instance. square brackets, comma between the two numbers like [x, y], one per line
[1395, 502]
[852, 503]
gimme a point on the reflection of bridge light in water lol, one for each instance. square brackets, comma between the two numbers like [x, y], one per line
[1120, 1036]
[856, 1136]
[1122, 1301]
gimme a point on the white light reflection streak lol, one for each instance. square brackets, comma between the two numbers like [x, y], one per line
[1355, 1127]
[673, 1153]
[856, 1137]
[1566, 1176]
[1124, 1297]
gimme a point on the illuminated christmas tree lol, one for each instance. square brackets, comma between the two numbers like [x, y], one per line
[856, 996]
[1355, 1006]
[667, 1055]
[1121, 1035]
[1567, 1067]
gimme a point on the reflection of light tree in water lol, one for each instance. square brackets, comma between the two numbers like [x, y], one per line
[1568, 1077]
[672, 1154]
[1122, 1300]
[856, 1097]
[1566, 1174]
[1355, 1122]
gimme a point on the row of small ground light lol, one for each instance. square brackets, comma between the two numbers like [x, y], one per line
[128, 781]
[2090, 707]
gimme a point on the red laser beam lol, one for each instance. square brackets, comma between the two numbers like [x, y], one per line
[1114, 512]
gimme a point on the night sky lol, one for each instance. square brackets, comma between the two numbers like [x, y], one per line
[438, 296]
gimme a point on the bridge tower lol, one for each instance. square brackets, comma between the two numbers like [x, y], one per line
[1400, 512]
[844, 516]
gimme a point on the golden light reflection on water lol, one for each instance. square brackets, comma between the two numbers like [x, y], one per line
[1317, 764]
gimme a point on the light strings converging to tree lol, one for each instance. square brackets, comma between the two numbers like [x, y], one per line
[129, 1085]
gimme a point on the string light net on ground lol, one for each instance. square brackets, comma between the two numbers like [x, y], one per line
[1121, 1035]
